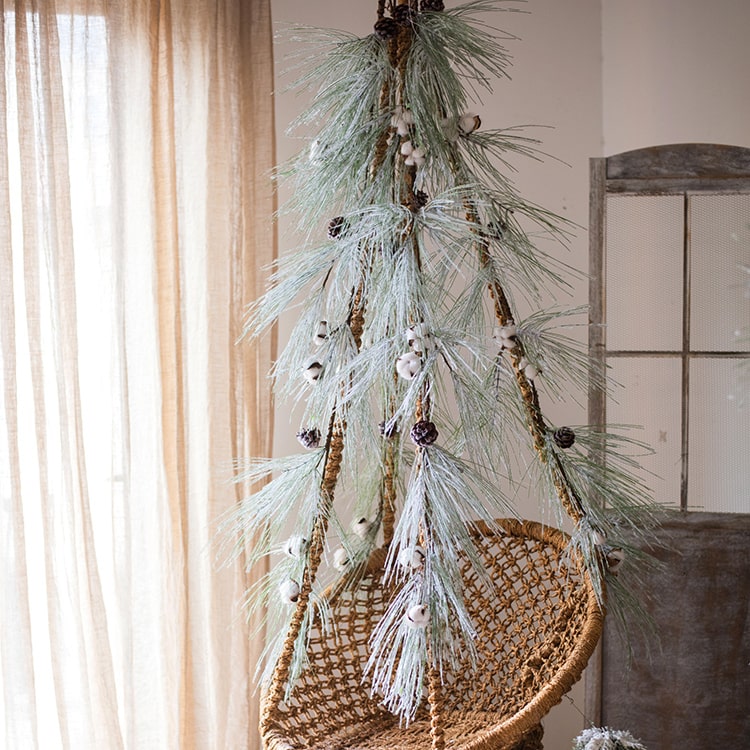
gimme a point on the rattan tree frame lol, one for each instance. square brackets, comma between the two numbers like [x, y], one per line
[538, 626]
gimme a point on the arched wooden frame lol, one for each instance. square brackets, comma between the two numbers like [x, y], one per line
[696, 541]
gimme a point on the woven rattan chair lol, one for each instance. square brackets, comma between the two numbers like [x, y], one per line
[534, 637]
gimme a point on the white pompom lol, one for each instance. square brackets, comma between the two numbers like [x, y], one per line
[408, 365]
[417, 616]
[340, 559]
[295, 546]
[321, 334]
[361, 527]
[406, 148]
[312, 371]
[469, 122]
[411, 557]
[289, 591]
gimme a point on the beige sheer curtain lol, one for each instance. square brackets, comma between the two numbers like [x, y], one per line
[136, 139]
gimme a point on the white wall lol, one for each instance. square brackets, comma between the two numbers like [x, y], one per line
[675, 71]
[604, 76]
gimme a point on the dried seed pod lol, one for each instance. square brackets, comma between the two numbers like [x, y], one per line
[386, 28]
[336, 226]
[424, 433]
[309, 437]
[564, 437]
[403, 14]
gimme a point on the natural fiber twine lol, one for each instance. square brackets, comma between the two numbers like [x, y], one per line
[535, 633]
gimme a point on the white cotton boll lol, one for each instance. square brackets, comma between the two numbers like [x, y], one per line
[361, 527]
[615, 559]
[418, 153]
[321, 334]
[410, 161]
[312, 371]
[417, 331]
[402, 127]
[295, 546]
[530, 371]
[408, 117]
[408, 365]
[406, 148]
[411, 557]
[508, 331]
[289, 591]
[522, 363]
[417, 616]
[469, 122]
[509, 344]
[340, 559]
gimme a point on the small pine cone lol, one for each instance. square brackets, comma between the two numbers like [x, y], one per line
[386, 28]
[421, 198]
[564, 437]
[309, 438]
[336, 226]
[403, 14]
[424, 433]
[433, 5]
[388, 431]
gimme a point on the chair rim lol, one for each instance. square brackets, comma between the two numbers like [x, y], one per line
[514, 727]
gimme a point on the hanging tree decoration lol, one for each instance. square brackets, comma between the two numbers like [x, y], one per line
[421, 207]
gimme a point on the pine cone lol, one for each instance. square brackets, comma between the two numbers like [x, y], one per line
[564, 437]
[309, 437]
[386, 28]
[421, 198]
[403, 14]
[424, 433]
[336, 226]
[433, 5]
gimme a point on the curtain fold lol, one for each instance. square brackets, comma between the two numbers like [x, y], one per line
[135, 221]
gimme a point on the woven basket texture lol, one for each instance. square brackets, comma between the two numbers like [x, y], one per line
[535, 632]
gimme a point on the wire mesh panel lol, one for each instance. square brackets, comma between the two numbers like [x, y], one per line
[644, 238]
[720, 282]
[647, 396]
[719, 469]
